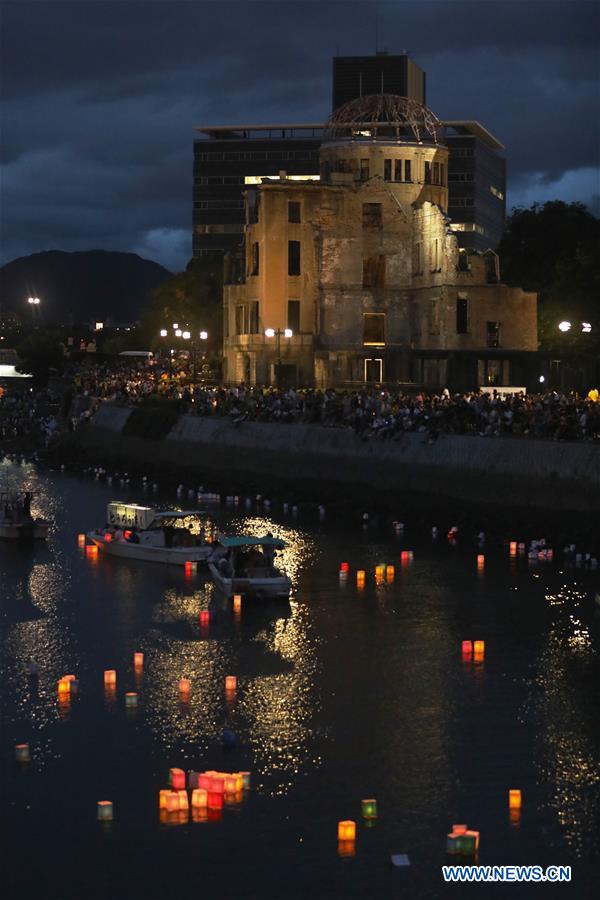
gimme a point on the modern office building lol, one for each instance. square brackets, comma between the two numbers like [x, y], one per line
[359, 76]
[357, 276]
[230, 158]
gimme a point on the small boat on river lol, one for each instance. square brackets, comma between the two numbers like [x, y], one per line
[16, 521]
[141, 532]
[246, 566]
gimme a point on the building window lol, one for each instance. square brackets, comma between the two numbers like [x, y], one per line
[462, 315]
[435, 255]
[293, 211]
[436, 173]
[364, 169]
[493, 334]
[253, 317]
[371, 215]
[374, 329]
[240, 319]
[293, 316]
[407, 175]
[374, 272]
[397, 170]
[255, 259]
[434, 316]
[442, 174]
[387, 170]
[427, 173]
[293, 257]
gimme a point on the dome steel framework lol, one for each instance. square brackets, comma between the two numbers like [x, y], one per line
[384, 117]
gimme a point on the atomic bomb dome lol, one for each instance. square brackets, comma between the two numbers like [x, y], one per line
[384, 117]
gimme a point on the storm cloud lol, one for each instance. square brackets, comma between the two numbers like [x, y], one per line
[99, 99]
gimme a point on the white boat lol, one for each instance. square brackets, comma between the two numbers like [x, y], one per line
[245, 566]
[16, 521]
[141, 532]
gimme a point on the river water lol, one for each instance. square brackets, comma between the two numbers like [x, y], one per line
[343, 694]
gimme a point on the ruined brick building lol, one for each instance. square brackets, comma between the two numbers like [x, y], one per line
[364, 270]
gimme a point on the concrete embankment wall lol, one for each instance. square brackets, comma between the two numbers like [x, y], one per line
[496, 471]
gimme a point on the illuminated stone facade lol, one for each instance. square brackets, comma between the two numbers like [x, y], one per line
[364, 269]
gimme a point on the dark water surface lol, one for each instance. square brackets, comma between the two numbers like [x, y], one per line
[342, 694]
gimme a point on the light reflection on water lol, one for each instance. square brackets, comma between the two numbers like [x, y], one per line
[340, 691]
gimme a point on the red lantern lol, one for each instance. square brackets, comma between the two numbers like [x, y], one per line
[177, 779]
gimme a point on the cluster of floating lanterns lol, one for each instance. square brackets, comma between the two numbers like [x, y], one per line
[473, 651]
[204, 793]
[347, 828]
[384, 572]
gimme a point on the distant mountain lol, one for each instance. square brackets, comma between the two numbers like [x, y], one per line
[87, 286]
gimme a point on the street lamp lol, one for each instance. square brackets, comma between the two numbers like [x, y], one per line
[34, 303]
[278, 333]
[564, 326]
[163, 332]
[178, 332]
[586, 327]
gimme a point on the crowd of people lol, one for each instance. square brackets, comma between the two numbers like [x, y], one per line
[369, 411]
[28, 419]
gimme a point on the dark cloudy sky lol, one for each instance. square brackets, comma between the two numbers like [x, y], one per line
[99, 99]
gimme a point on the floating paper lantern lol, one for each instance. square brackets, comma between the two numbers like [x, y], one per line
[379, 571]
[22, 753]
[346, 848]
[390, 573]
[480, 561]
[215, 800]
[138, 660]
[177, 779]
[346, 830]
[64, 688]
[183, 799]
[81, 540]
[237, 602]
[239, 781]
[479, 649]
[199, 798]
[110, 677]
[131, 700]
[204, 618]
[369, 809]
[217, 785]
[205, 781]
[469, 842]
[172, 801]
[230, 683]
[344, 567]
[467, 649]
[105, 811]
[185, 686]
[459, 829]
[514, 799]
[513, 548]
[453, 843]
[190, 568]
[360, 578]
[245, 779]
[230, 785]
[162, 799]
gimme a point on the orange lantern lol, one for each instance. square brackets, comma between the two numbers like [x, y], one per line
[513, 548]
[185, 686]
[110, 677]
[478, 650]
[81, 540]
[514, 799]
[172, 802]
[480, 561]
[390, 573]
[138, 660]
[64, 688]
[230, 784]
[204, 781]
[459, 829]
[360, 578]
[346, 830]
[105, 811]
[162, 799]
[379, 571]
[199, 798]
[183, 799]
[237, 603]
[230, 683]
